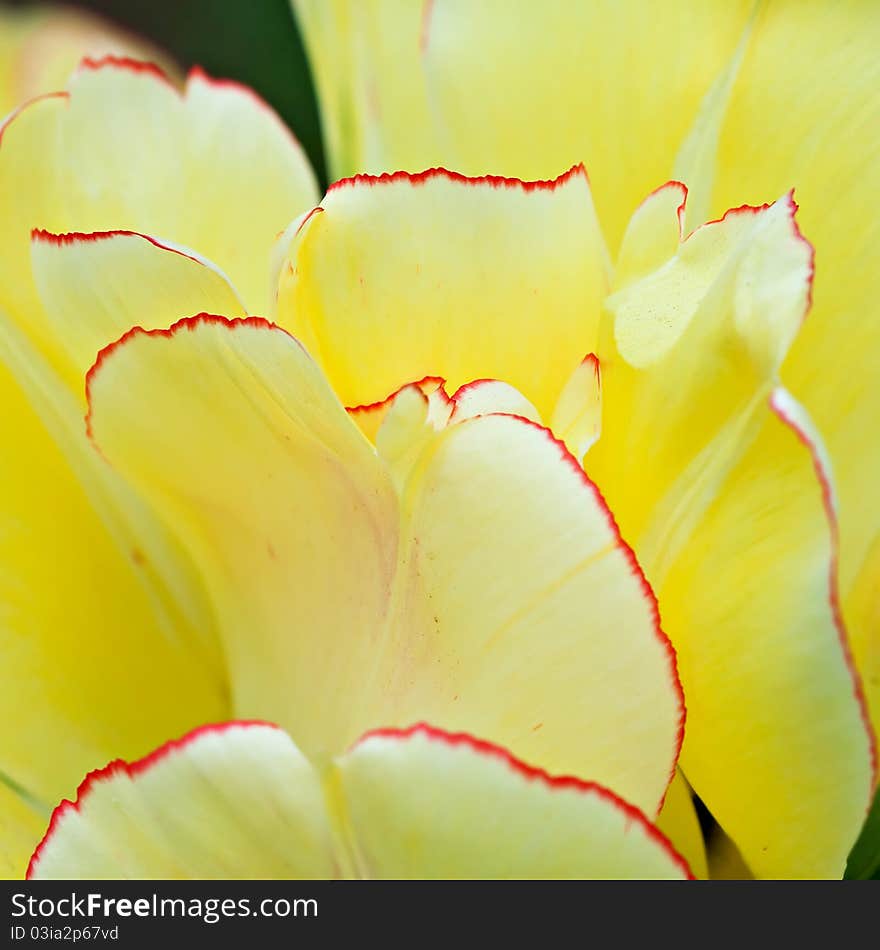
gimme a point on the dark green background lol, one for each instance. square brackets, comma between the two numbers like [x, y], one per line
[254, 41]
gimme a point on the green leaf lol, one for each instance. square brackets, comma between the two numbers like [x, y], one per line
[864, 859]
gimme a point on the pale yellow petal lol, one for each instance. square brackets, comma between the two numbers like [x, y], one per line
[402, 277]
[234, 435]
[577, 416]
[805, 113]
[512, 87]
[366, 59]
[94, 666]
[232, 801]
[94, 287]
[724, 507]
[778, 744]
[211, 168]
[467, 601]
[427, 804]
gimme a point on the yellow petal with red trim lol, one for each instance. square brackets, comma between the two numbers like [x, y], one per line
[239, 800]
[401, 277]
[124, 149]
[231, 801]
[778, 744]
[806, 135]
[94, 287]
[461, 597]
[522, 90]
[426, 804]
[713, 494]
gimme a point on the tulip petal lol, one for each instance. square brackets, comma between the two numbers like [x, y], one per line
[237, 800]
[577, 416]
[616, 88]
[727, 515]
[429, 804]
[240, 800]
[485, 396]
[123, 149]
[298, 536]
[812, 121]
[90, 655]
[358, 53]
[778, 743]
[94, 287]
[469, 601]
[41, 45]
[688, 353]
[508, 571]
[401, 277]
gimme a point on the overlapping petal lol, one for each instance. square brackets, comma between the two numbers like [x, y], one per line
[235, 801]
[697, 329]
[742, 100]
[239, 800]
[94, 287]
[90, 656]
[349, 600]
[727, 511]
[212, 168]
[401, 276]
[828, 146]
[519, 89]
[679, 822]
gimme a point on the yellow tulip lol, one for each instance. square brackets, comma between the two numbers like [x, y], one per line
[436, 554]
[252, 555]
[742, 102]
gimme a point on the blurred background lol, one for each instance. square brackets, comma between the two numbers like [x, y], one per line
[253, 41]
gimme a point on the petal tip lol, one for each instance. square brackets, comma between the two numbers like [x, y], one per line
[131, 769]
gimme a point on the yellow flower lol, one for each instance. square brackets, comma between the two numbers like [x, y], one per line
[742, 102]
[251, 554]
[255, 556]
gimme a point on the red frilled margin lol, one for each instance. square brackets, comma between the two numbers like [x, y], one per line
[625, 548]
[824, 479]
[26, 105]
[493, 181]
[132, 770]
[80, 237]
[125, 63]
[187, 323]
[639, 574]
[532, 774]
[792, 207]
